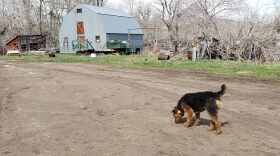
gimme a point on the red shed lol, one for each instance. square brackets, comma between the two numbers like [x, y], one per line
[26, 43]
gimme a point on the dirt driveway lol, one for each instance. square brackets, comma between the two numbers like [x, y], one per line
[82, 109]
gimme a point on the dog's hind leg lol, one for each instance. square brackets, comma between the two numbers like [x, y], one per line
[189, 117]
[211, 126]
[212, 110]
[197, 119]
[217, 123]
[214, 122]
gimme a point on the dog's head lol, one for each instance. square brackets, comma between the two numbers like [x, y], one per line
[178, 114]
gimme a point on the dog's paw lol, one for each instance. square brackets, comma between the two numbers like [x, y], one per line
[210, 128]
[197, 123]
[217, 132]
[187, 125]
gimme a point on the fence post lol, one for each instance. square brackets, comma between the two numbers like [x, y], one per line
[194, 54]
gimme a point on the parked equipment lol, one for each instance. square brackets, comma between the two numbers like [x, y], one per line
[121, 47]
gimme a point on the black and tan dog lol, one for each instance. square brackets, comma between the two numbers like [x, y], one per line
[198, 102]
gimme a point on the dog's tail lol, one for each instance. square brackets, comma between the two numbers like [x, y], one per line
[222, 91]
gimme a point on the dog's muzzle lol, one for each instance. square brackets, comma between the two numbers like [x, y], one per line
[177, 115]
[178, 119]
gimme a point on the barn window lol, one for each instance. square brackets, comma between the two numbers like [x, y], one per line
[80, 28]
[15, 45]
[79, 10]
[97, 39]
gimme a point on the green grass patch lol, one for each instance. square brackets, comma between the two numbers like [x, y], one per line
[226, 68]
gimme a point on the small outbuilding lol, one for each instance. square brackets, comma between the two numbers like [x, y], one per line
[91, 28]
[25, 43]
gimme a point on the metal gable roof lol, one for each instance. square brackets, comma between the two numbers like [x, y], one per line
[107, 11]
[115, 21]
[120, 24]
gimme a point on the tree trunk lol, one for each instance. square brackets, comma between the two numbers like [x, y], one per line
[176, 38]
[101, 3]
[27, 14]
[40, 17]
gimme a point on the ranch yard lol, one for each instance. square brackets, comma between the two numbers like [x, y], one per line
[86, 109]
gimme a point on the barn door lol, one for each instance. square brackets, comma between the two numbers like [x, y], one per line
[81, 32]
[80, 44]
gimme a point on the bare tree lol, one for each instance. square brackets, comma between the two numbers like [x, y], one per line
[210, 11]
[148, 21]
[255, 39]
[144, 13]
[27, 6]
[2, 31]
[249, 37]
[40, 15]
[3, 27]
[129, 5]
[92, 2]
[3, 9]
[171, 11]
[99, 3]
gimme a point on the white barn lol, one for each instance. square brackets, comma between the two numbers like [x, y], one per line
[88, 27]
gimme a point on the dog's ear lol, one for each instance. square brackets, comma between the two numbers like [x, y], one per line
[174, 110]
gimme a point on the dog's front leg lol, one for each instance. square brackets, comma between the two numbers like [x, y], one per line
[197, 119]
[189, 118]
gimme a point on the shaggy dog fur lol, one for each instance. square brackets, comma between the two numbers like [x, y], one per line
[198, 102]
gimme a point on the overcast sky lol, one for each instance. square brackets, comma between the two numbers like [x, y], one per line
[251, 2]
[260, 2]
[263, 6]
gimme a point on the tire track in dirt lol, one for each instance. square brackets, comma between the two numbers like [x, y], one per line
[6, 104]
